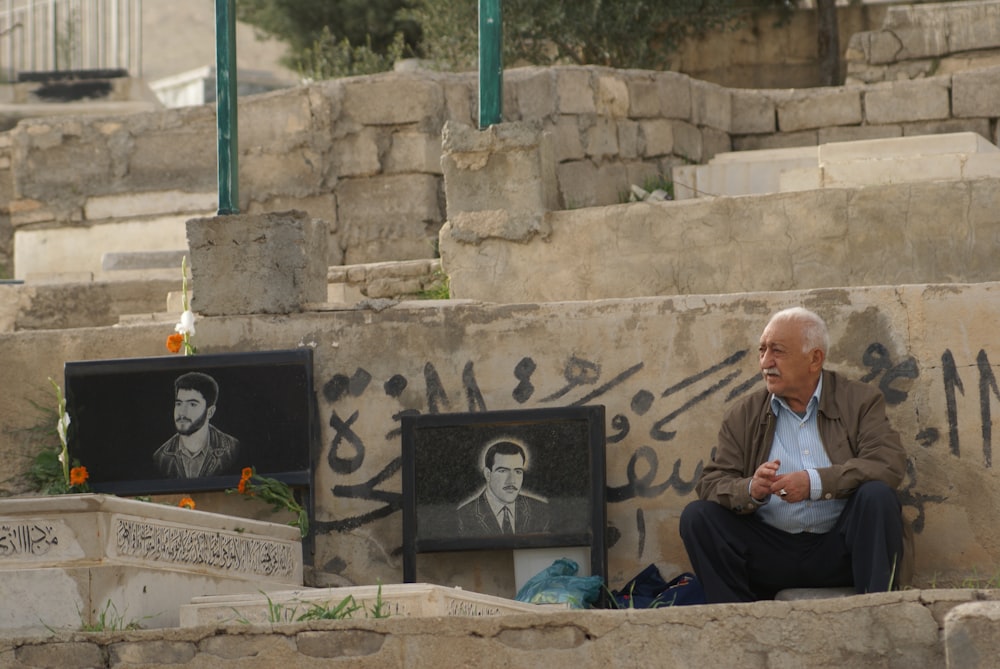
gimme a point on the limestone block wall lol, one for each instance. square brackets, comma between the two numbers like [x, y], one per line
[665, 368]
[348, 152]
[344, 151]
[922, 40]
[386, 280]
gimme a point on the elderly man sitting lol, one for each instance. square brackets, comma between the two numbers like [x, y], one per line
[801, 490]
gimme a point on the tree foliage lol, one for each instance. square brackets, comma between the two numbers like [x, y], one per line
[614, 33]
[341, 37]
[329, 58]
[308, 27]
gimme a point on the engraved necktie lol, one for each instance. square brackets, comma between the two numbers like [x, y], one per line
[508, 527]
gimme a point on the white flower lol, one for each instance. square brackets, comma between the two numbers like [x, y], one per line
[186, 326]
[62, 428]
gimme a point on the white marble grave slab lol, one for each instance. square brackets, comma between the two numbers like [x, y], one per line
[63, 559]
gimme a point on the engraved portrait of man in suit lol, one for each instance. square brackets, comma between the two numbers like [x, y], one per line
[503, 506]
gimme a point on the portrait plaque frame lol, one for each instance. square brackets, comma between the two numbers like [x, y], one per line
[122, 414]
[445, 478]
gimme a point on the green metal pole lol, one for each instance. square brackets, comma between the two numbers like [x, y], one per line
[226, 115]
[490, 62]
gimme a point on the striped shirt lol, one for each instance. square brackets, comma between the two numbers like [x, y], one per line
[798, 445]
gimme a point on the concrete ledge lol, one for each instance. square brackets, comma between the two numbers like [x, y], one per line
[141, 260]
[857, 163]
[810, 239]
[161, 203]
[798, 594]
[895, 630]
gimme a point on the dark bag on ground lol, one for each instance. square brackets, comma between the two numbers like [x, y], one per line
[649, 590]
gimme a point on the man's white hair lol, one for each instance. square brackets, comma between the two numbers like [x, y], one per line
[814, 332]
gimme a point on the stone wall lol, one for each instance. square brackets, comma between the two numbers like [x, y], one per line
[891, 630]
[386, 280]
[342, 151]
[665, 368]
[923, 40]
[345, 151]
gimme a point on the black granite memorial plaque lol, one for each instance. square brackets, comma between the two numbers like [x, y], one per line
[531, 478]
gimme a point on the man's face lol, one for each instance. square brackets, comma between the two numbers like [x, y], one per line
[788, 372]
[190, 412]
[505, 479]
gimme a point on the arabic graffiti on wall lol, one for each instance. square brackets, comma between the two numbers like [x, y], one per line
[640, 414]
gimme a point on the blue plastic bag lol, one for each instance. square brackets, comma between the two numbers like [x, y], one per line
[559, 584]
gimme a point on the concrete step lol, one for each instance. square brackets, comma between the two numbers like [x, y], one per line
[962, 155]
[140, 260]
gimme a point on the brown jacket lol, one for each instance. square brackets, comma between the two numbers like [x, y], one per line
[856, 434]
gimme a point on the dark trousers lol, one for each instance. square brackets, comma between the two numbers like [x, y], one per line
[741, 559]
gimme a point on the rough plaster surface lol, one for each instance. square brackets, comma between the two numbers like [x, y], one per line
[665, 368]
[257, 263]
[972, 635]
[878, 235]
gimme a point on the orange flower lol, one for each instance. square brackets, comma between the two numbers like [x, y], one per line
[245, 477]
[186, 503]
[174, 342]
[78, 476]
